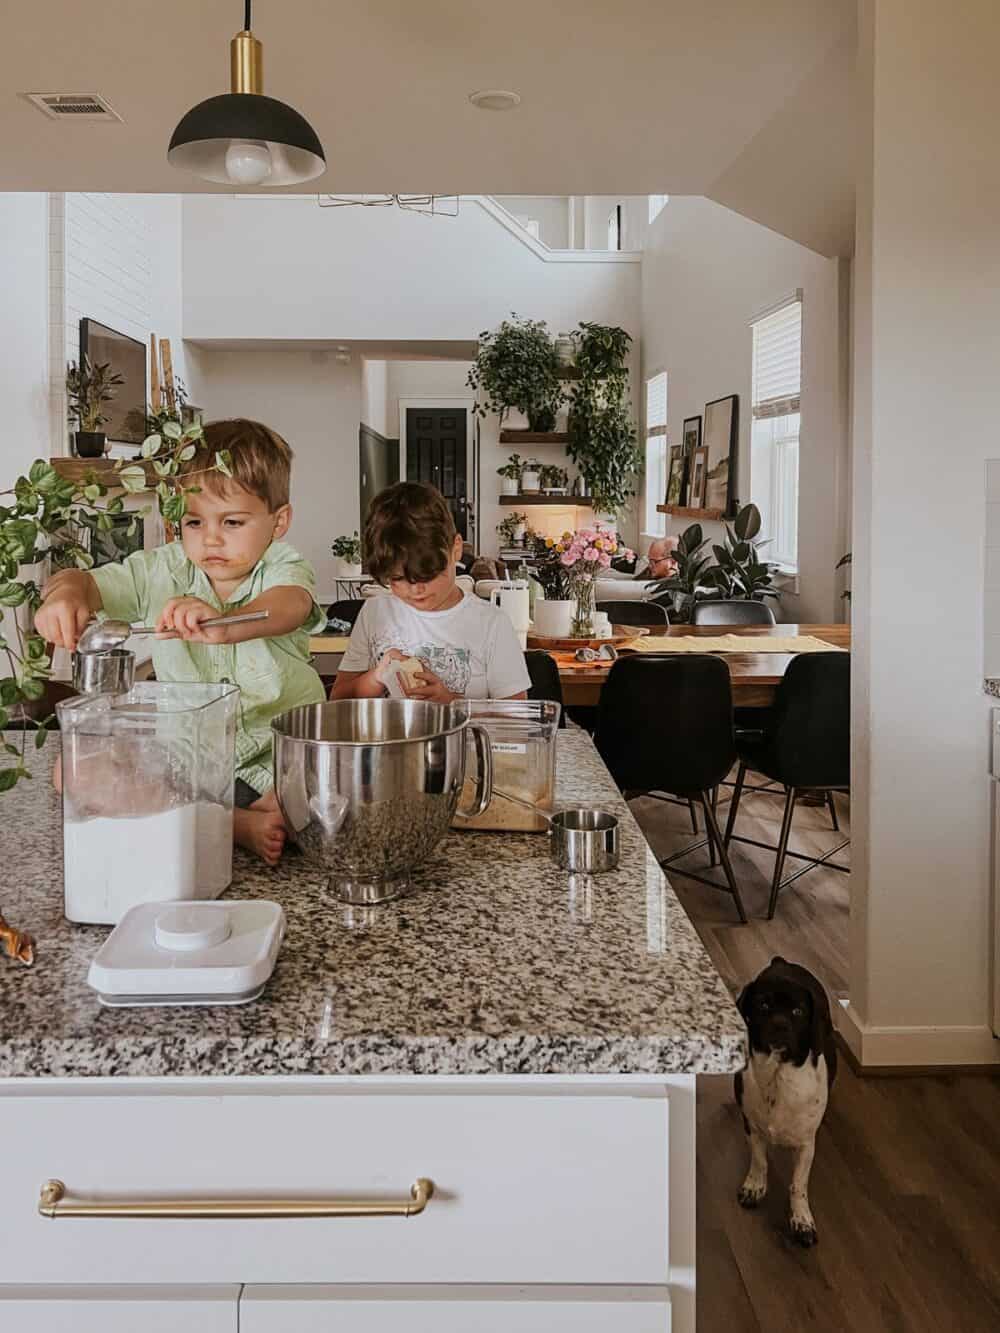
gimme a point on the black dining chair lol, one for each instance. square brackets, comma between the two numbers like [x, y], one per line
[545, 683]
[731, 613]
[805, 746]
[665, 724]
[347, 610]
[643, 615]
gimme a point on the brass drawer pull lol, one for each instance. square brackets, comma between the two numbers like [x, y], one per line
[52, 1202]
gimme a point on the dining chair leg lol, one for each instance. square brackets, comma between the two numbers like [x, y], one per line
[712, 857]
[716, 841]
[694, 817]
[734, 804]
[779, 863]
[833, 812]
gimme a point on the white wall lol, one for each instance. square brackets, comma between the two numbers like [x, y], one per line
[24, 365]
[313, 401]
[927, 403]
[705, 273]
[551, 212]
[285, 268]
[115, 258]
[374, 375]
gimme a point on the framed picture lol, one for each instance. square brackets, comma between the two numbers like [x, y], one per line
[191, 415]
[675, 475]
[699, 474]
[721, 438]
[691, 434]
[126, 412]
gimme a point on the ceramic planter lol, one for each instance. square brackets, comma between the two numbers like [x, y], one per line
[530, 482]
[509, 486]
[90, 443]
[554, 618]
[343, 569]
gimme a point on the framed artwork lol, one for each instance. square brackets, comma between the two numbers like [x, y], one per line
[699, 475]
[191, 415]
[126, 412]
[675, 475]
[721, 438]
[691, 434]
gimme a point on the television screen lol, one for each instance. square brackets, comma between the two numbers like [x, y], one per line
[126, 412]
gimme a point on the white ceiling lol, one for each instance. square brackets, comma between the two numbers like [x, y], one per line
[632, 97]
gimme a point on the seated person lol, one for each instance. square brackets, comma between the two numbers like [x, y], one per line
[660, 563]
[230, 558]
[466, 646]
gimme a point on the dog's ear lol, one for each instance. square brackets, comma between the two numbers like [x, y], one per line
[745, 1000]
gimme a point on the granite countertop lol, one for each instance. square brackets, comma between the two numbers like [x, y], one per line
[497, 963]
[991, 686]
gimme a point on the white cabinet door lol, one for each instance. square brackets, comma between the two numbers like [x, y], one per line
[93, 1309]
[454, 1309]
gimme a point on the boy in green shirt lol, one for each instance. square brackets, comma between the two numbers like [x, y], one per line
[230, 558]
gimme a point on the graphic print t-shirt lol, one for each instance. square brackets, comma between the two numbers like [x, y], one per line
[472, 647]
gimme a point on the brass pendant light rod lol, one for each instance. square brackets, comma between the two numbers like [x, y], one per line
[246, 60]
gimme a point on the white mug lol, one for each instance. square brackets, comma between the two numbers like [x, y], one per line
[553, 620]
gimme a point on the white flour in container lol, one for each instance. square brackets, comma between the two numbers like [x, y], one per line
[110, 865]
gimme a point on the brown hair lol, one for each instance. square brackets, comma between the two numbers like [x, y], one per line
[261, 461]
[409, 533]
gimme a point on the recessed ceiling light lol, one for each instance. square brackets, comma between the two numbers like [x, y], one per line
[495, 99]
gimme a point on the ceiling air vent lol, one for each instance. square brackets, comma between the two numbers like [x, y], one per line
[84, 108]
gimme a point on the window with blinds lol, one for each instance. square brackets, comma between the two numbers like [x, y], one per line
[656, 454]
[657, 203]
[774, 436]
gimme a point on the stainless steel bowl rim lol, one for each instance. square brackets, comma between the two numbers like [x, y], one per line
[389, 740]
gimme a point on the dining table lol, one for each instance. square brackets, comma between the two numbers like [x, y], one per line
[755, 675]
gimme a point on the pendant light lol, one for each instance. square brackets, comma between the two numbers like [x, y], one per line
[243, 137]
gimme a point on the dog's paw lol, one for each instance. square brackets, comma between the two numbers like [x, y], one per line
[804, 1232]
[751, 1194]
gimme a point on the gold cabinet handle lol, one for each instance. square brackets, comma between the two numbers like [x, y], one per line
[53, 1202]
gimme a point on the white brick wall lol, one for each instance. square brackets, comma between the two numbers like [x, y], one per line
[114, 258]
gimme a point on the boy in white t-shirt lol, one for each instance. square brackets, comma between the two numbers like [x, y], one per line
[467, 647]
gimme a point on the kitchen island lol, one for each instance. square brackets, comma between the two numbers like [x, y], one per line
[524, 1039]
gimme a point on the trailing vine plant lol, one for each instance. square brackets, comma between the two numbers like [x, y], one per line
[45, 519]
[602, 435]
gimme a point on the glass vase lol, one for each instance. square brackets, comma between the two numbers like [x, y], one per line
[583, 609]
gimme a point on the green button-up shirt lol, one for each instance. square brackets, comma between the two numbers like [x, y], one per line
[273, 674]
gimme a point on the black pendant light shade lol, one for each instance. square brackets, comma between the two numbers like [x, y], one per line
[216, 127]
[243, 137]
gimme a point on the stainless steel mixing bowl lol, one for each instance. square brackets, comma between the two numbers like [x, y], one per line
[368, 787]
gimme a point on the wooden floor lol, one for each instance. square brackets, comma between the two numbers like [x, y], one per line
[904, 1186]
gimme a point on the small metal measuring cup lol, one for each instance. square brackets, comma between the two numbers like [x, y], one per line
[111, 672]
[582, 840]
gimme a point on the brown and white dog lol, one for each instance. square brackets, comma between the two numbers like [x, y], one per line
[784, 1089]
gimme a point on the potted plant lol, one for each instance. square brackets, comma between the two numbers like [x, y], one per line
[41, 512]
[88, 387]
[602, 437]
[510, 475]
[516, 366]
[347, 557]
[531, 477]
[553, 612]
[739, 573]
[513, 529]
[554, 480]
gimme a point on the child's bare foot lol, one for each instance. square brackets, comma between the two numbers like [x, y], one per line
[261, 831]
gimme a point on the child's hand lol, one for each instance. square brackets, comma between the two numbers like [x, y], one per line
[62, 617]
[182, 617]
[429, 687]
[378, 671]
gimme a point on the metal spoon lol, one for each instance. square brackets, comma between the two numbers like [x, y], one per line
[102, 636]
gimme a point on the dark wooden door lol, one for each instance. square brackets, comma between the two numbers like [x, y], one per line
[435, 452]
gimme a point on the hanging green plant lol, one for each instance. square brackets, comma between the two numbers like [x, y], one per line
[602, 435]
[516, 367]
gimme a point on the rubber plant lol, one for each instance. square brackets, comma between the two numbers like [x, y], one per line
[516, 366]
[46, 515]
[739, 573]
[602, 435]
[689, 584]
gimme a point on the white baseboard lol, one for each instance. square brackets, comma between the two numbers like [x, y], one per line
[914, 1047]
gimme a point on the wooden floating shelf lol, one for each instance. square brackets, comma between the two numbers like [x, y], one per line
[582, 501]
[534, 437]
[682, 511]
[103, 470]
